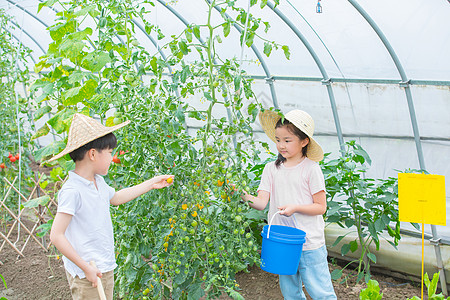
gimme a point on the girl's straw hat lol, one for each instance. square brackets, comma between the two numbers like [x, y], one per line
[84, 130]
[302, 120]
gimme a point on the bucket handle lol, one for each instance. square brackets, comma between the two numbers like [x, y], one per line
[271, 220]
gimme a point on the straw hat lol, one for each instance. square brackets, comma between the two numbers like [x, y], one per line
[302, 120]
[84, 130]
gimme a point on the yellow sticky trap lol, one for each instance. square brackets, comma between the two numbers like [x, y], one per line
[421, 198]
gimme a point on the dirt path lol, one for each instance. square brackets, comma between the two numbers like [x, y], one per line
[40, 276]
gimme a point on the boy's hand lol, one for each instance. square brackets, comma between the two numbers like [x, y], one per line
[92, 273]
[162, 181]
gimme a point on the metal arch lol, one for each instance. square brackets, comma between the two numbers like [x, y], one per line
[152, 40]
[405, 83]
[14, 36]
[29, 13]
[326, 79]
[186, 23]
[269, 78]
[30, 36]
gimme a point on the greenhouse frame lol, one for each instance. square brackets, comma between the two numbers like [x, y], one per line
[372, 72]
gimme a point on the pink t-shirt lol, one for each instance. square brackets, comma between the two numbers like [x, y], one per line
[295, 185]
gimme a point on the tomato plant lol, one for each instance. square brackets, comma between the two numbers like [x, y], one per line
[362, 204]
[190, 239]
[15, 111]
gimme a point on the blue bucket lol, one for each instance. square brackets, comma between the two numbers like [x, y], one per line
[281, 249]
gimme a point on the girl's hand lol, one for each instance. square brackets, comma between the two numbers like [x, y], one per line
[287, 210]
[162, 181]
[92, 273]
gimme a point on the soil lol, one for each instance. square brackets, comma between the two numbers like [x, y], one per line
[40, 275]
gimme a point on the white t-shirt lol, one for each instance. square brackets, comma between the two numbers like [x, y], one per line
[295, 185]
[90, 232]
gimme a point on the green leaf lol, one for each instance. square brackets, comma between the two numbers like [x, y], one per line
[71, 48]
[286, 51]
[60, 122]
[353, 246]
[249, 39]
[49, 150]
[364, 154]
[267, 48]
[226, 28]
[235, 295]
[42, 111]
[154, 65]
[43, 229]
[44, 130]
[344, 249]
[78, 94]
[337, 241]
[95, 61]
[4, 281]
[196, 31]
[379, 225]
[195, 291]
[188, 34]
[183, 47]
[372, 230]
[37, 201]
[372, 257]
[90, 9]
[175, 146]
[336, 274]
[263, 3]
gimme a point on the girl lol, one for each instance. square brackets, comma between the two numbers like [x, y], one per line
[295, 185]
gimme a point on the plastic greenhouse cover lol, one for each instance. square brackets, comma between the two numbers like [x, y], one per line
[376, 114]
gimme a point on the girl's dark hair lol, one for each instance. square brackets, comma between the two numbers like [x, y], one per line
[108, 141]
[294, 130]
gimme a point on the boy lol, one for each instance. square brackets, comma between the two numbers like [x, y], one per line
[82, 229]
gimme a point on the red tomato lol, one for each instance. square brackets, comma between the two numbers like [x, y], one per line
[12, 159]
[17, 156]
[115, 159]
[2, 166]
[9, 154]
[122, 152]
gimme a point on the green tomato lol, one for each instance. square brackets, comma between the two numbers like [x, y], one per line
[135, 42]
[238, 219]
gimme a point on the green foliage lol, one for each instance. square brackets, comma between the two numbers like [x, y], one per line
[431, 288]
[4, 283]
[190, 239]
[372, 292]
[366, 205]
[14, 110]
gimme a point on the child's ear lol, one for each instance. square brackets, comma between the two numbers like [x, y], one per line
[305, 142]
[91, 154]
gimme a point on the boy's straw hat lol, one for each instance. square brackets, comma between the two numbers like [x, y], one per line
[302, 120]
[84, 130]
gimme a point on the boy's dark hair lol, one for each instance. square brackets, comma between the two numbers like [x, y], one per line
[294, 130]
[108, 141]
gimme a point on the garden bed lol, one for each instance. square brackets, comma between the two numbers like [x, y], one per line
[41, 275]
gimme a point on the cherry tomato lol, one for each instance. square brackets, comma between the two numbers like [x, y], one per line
[169, 180]
[12, 159]
[115, 159]
[2, 166]
[17, 156]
